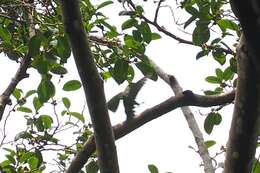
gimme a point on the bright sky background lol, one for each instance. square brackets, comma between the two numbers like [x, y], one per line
[164, 141]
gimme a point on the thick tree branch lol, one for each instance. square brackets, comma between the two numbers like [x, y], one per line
[246, 120]
[122, 129]
[189, 116]
[93, 87]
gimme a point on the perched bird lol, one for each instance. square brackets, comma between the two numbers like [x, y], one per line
[129, 98]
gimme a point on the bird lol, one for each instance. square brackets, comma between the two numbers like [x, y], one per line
[129, 98]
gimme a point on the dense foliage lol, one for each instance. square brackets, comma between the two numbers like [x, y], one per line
[32, 34]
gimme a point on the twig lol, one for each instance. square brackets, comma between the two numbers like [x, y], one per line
[157, 11]
[163, 30]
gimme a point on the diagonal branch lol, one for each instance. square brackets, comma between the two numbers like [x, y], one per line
[189, 116]
[124, 128]
[93, 87]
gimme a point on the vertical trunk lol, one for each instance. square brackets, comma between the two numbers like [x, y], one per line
[245, 123]
[93, 87]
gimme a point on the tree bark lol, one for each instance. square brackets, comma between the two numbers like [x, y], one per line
[190, 118]
[246, 120]
[93, 87]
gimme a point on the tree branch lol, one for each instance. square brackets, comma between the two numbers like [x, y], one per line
[21, 71]
[93, 87]
[189, 116]
[181, 40]
[150, 114]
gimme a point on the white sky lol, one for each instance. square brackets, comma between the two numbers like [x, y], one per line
[164, 141]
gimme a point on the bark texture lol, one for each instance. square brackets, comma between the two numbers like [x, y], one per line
[245, 123]
[93, 88]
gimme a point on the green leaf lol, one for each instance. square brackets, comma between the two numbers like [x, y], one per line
[46, 121]
[120, 71]
[25, 156]
[156, 36]
[71, 85]
[11, 159]
[219, 56]
[17, 93]
[256, 166]
[129, 23]
[23, 135]
[103, 4]
[63, 49]
[144, 28]
[193, 11]
[66, 102]
[6, 163]
[29, 93]
[34, 45]
[58, 69]
[217, 118]
[41, 64]
[24, 109]
[33, 162]
[212, 79]
[5, 35]
[201, 54]
[139, 10]
[106, 75]
[38, 155]
[137, 35]
[78, 116]
[209, 92]
[211, 120]
[200, 35]
[219, 90]
[209, 143]
[92, 167]
[131, 73]
[45, 90]
[219, 74]
[228, 74]
[189, 21]
[208, 124]
[132, 43]
[233, 64]
[227, 24]
[37, 104]
[113, 103]
[39, 124]
[147, 69]
[126, 13]
[215, 41]
[153, 169]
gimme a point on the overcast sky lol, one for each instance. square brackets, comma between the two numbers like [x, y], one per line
[164, 141]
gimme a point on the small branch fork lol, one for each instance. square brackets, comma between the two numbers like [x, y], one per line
[181, 40]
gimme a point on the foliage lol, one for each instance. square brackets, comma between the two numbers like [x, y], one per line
[119, 54]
